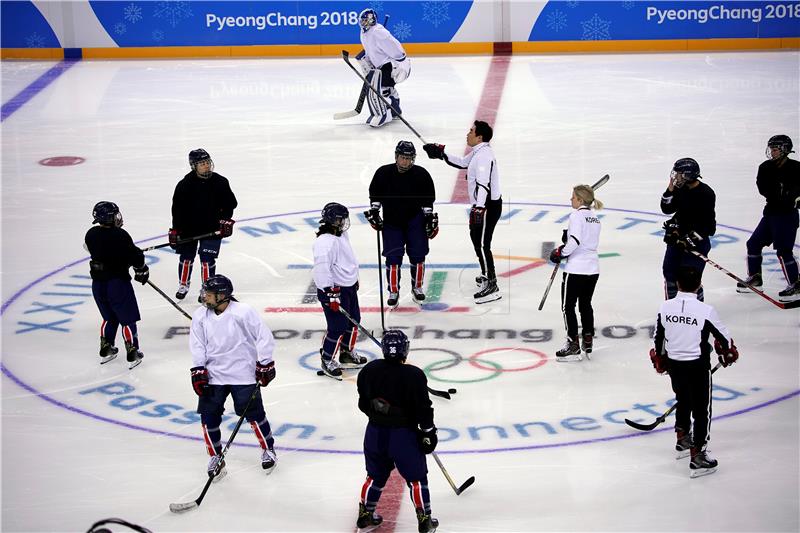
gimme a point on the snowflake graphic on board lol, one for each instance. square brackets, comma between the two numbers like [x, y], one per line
[157, 35]
[401, 30]
[377, 7]
[120, 28]
[572, 3]
[172, 11]
[557, 20]
[34, 40]
[132, 13]
[596, 29]
[435, 12]
[628, 4]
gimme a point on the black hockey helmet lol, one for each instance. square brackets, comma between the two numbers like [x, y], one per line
[198, 156]
[394, 345]
[685, 170]
[406, 149]
[367, 19]
[336, 216]
[782, 143]
[107, 214]
[218, 285]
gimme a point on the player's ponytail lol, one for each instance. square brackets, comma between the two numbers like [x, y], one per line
[585, 194]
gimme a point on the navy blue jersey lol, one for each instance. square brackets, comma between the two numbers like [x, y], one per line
[402, 194]
[780, 185]
[403, 387]
[200, 203]
[113, 253]
[693, 209]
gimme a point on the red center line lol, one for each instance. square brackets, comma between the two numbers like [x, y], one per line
[487, 111]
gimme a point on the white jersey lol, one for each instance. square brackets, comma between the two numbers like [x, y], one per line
[483, 179]
[335, 263]
[683, 327]
[583, 238]
[229, 344]
[381, 47]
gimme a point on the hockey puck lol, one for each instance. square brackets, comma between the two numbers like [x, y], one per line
[452, 391]
[320, 373]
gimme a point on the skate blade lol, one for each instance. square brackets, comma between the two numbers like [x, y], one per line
[682, 455]
[323, 373]
[588, 355]
[701, 472]
[351, 366]
[569, 359]
[745, 290]
[107, 359]
[134, 364]
[488, 298]
[268, 471]
[367, 529]
[789, 299]
[222, 474]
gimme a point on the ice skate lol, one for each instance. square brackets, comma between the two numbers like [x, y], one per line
[393, 300]
[701, 464]
[570, 352]
[754, 280]
[348, 359]
[217, 472]
[135, 356]
[367, 520]
[488, 293]
[683, 446]
[426, 523]
[269, 460]
[108, 352]
[418, 295]
[331, 368]
[790, 293]
[586, 344]
[481, 281]
[183, 290]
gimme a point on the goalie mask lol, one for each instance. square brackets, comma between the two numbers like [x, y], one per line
[201, 163]
[782, 144]
[684, 171]
[404, 155]
[336, 216]
[394, 345]
[367, 19]
[222, 289]
[107, 214]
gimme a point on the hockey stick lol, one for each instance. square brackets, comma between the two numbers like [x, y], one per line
[170, 300]
[183, 241]
[458, 490]
[380, 279]
[361, 97]
[346, 57]
[602, 181]
[660, 419]
[188, 506]
[781, 305]
[440, 393]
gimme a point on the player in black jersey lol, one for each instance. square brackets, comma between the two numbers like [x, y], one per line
[400, 430]
[778, 181]
[691, 204]
[203, 203]
[406, 193]
[113, 253]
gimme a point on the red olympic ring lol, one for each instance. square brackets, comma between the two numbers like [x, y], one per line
[474, 359]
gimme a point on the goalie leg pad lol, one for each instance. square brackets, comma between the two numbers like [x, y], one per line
[378, 111]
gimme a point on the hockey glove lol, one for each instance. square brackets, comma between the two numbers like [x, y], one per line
[477, 215]
[687, 243]
[659, 361]
[373, 216]
[726, 357]
[364, 62]
[141, 274]
[333, 294]
[199, 379]
[434, 151]
[265, 373]
[556, 255]
[226, 227]
[431, 222]
[671, 232]
[173, 238]
[427, 440]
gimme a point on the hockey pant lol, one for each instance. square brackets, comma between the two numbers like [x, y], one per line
[481, 236]
[209, 251]
[116, 302]
[340, 331]
[675, 258]
[211, 406]
[578, 288]
[691, 382]
[780, 231]
[398, 241]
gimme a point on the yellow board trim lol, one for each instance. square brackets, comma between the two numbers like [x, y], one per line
[56, 54]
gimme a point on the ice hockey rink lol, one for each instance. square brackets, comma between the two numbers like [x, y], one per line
[546, 441]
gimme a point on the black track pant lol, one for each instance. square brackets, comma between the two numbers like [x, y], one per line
[578, 288]
[481, 235]
[691, 381]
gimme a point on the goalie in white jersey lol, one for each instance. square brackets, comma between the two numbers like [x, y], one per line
[231, 354]
[385, 64]
[581, 271]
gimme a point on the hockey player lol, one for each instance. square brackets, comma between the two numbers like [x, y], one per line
[691, 202]
[406, 193]
[336, 277]
[400, 431]
[203, 203]
[778, 180]
[682, 349]
[483, 186]
[581, 271]
[385, 64]
[231, 355]
[112, 254]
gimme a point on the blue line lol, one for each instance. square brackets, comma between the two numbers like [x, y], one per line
[39, 84]
[438, 266]
[72, 294]
[79, 285]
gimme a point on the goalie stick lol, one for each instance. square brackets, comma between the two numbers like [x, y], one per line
[440, 393]
[188, 506]
[602, 181]
[361, 97]
[458, 490]
[660, 419]
[346, 57]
